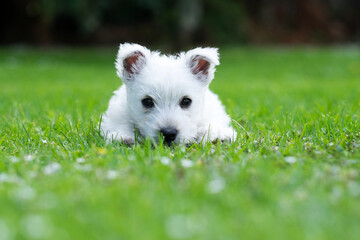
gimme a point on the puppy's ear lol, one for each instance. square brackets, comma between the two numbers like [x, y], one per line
[202, 62]
[130, 61]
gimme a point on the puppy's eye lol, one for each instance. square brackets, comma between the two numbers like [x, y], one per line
[185, 102]
[148, 102]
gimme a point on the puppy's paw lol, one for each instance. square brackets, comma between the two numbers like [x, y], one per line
[128, 141]
[116, 137]
[219, 134]
[227, 134]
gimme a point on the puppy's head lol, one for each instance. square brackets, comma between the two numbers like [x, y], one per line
[165, 94]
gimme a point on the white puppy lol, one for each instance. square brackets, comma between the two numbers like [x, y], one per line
[166, 96]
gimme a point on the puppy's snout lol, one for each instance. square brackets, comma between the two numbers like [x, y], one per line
[169, 134]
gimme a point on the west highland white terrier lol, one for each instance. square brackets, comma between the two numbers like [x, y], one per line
[166, 96]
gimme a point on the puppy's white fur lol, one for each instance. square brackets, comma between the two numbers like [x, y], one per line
[166, 80]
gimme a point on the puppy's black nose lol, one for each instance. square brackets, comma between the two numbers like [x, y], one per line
[169, 134]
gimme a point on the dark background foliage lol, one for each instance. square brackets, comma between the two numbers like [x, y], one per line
[179, 22]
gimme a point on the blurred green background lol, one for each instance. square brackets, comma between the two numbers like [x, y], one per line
[176, 24]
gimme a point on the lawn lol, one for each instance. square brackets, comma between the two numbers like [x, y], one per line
[293, 173]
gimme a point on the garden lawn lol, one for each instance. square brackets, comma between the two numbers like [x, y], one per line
[293, 173]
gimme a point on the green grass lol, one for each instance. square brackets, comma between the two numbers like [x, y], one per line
[293, 172]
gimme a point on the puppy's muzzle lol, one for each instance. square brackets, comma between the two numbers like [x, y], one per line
[169, 134]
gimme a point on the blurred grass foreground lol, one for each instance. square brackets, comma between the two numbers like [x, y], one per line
[293, 172]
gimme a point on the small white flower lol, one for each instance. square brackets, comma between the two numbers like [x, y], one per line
[186, 163]
[36, 227]
[28, 158]
[52, 168]
[83, 167]
[80, 160]
[331, 144]
[14, 159]
[4, 177]
[290, 159]
[165, 160]
[112, 174]
[6, 234]
[354, 188]
[43, 141]
[216, 185]
[179, 226]
[25, 193]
